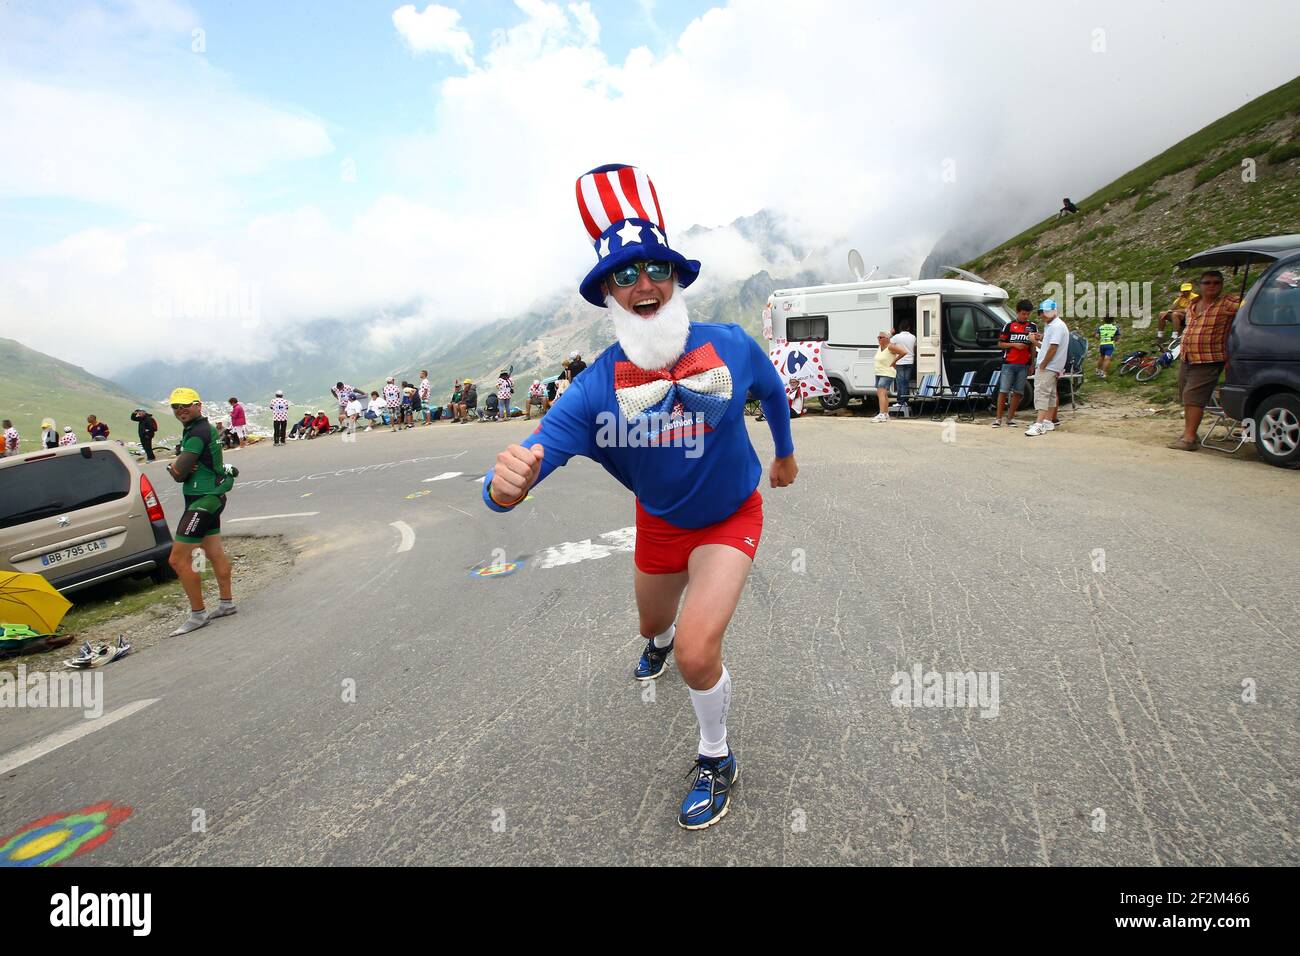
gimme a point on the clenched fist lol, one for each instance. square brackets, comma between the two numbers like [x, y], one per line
[516, 470]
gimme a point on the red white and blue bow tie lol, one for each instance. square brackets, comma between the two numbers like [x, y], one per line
[700, 382]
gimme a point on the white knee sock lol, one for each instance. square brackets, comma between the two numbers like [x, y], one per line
[666, 638]
[711, 711]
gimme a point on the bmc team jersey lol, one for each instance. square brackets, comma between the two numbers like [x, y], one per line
[1018, 332]
[676, 439]
[209, 478]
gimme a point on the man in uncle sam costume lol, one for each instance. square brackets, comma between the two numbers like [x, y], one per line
[662, 410]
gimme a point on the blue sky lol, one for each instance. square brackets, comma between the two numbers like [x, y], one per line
[390, 163]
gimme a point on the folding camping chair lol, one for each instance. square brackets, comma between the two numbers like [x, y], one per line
[928, 391]
[950, 394]
[983, 393]
[1235, 433]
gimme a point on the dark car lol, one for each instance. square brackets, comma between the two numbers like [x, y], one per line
[1262, 380]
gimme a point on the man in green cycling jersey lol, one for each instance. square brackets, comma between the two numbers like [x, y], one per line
[1108, 335]
[206, 482]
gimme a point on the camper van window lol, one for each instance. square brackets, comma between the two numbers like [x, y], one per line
[967, 322]
[811, 328]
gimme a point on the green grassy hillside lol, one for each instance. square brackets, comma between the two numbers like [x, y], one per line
[34, 386]
[1188, 198]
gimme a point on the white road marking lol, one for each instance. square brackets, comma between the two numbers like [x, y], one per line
[23, 755]
[572, 552]
[408, 536]
[445, 475]
[296, 514]
[345, 472]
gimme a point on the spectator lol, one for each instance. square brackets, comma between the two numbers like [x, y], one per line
[903, 344]
[424, 390]
[321, 424]
[885, 360]
[1053, 352]
[147, 427]
[49, 434]
[550, 395]
[303, 428]
[576, 365]
[98, 430]
[238, 421]
[279, 418]
[410, 396]
[454, 407]
[505, 390]
[536, 396]
[1204, 352]
[11, 438]
[1017, 344]
[69, 437]
[376, 411]
[352, 411]
[393, 402]
[1107, 335]
[1067, 208]
[1176, 314]
[468, 400]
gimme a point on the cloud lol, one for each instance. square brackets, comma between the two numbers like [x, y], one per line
[436, 30]
[881, 129]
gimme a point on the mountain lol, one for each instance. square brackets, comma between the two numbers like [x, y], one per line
[1194, 195]
[35, 386]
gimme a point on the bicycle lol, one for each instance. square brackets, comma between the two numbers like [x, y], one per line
[1153, 365]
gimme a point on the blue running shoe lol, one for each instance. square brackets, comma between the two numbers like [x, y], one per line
[709, 798]
[653, 660]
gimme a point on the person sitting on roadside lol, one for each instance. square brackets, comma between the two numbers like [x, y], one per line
[1017, 344]
[303, 428]
[1176, 314]
[1107, 336]
[375, 411]
[98, 430]
[885, 360]
[468, 401]
[321, 425]
[352, 412]
[536, 396]
[1067, 208]
[1204, 353]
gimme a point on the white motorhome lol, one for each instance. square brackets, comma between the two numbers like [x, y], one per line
[956, 322]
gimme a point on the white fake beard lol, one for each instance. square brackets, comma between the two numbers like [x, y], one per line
[656, 342]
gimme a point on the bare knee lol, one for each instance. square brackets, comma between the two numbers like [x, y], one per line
[700, 664]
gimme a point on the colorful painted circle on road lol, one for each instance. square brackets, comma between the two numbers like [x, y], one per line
[496, 570]
[61, 836]
[419, 494]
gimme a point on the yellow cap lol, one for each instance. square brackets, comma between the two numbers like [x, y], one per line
[183, 396]
[467, 382]
[1185, 287]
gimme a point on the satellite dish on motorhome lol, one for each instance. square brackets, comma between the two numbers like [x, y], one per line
[856, 265]
[970, 276]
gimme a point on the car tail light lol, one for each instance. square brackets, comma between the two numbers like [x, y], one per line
[151, 500]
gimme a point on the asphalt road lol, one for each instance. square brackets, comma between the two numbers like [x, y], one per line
[1120, 594]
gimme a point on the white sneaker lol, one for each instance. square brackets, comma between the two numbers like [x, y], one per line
[882, 417]
[1034, 430]
[1048, 426]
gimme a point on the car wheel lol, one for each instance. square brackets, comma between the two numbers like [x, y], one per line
[1277, 430]
[836, 400]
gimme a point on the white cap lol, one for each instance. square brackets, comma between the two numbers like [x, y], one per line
[391, 379]
[67, 428]
[279, 394]
[574, 354]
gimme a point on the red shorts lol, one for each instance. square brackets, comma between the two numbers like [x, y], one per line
[663, 548]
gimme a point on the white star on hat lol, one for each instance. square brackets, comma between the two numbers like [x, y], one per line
[603, 251]
[659, 236]
[629, 234]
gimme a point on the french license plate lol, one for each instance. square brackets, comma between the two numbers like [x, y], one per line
[74, 553]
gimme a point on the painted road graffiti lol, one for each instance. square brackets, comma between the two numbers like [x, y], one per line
[61, 836]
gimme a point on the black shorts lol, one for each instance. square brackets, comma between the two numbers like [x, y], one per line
[202, 518]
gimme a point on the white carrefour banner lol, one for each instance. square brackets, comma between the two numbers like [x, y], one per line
[800, 365]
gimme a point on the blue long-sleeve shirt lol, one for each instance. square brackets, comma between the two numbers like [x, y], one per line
[678, 444]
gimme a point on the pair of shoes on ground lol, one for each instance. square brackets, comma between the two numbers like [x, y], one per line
[709, 797]
[192, 624]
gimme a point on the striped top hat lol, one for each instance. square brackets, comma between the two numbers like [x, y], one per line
[620, 210]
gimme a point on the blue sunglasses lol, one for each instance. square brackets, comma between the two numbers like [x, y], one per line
[657, 271]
